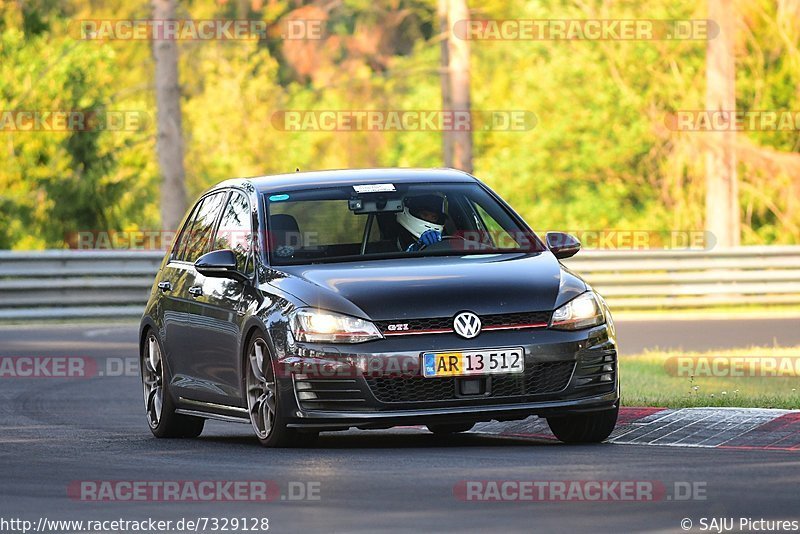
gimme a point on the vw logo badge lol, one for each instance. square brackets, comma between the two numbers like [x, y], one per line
[467, 324]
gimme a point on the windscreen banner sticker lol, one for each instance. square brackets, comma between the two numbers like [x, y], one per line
[374, 188]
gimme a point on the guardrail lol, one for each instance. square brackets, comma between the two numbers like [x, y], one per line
[653, 279]
[68, 284]
[75, 284]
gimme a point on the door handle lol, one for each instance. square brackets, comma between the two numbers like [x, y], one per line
[165, 286]
[196, 290]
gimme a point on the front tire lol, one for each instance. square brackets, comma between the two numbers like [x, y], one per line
[263, 400]
[592, 427]
[160, 409]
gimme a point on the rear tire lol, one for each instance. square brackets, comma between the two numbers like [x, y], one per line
[159, 406]
[592, 427]
[446, 429]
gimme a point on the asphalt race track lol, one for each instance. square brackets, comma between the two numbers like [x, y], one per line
[58, 433]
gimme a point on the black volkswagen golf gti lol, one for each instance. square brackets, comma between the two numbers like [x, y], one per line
[322, 301]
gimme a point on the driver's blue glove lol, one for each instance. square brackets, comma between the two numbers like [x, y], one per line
[430, 237]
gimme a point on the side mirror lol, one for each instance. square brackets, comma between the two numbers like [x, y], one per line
[219, 264]
[562, 245]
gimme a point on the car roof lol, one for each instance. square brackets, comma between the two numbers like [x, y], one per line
[314, 179]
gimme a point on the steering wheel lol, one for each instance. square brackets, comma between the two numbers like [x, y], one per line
[439, 243]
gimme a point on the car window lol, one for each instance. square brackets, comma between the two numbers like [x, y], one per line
[195, 239]
[235, 231]
[496, 234]
[315, 218]
[329, 224]
[180, 240]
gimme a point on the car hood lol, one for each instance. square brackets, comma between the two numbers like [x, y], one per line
[434, 286]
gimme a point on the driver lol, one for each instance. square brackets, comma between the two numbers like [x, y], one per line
[421, 222]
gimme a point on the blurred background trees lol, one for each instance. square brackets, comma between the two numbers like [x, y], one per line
[601, 155]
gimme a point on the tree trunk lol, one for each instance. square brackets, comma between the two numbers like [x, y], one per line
[459, 92]
[722, 193]
[169, 142]
[444, 79]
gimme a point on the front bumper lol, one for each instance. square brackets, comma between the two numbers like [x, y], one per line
[378, 384]
[340, 420]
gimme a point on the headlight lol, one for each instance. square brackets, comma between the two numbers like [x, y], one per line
[318, 326]
[581, 312]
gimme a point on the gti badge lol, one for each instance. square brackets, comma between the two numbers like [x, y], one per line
[467, 324]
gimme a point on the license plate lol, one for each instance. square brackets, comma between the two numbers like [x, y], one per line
[473, 362]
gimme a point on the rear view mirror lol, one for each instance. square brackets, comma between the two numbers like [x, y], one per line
[562, 245]
[380, 204]
[219, 264]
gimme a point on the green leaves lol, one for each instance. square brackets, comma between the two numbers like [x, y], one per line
[58, 177]
[600, 156]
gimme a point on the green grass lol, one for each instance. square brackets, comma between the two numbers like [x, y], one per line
[651, 379]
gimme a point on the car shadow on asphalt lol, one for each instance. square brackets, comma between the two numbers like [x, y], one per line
[391, 440]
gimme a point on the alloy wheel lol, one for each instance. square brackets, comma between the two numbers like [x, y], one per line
[261, 390]
[153, 381]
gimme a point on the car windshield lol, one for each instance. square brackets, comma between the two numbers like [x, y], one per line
[378, 221]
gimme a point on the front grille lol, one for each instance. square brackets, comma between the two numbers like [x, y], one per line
[445, 324]
[416, 325]
[539, 378]
[512, 319]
